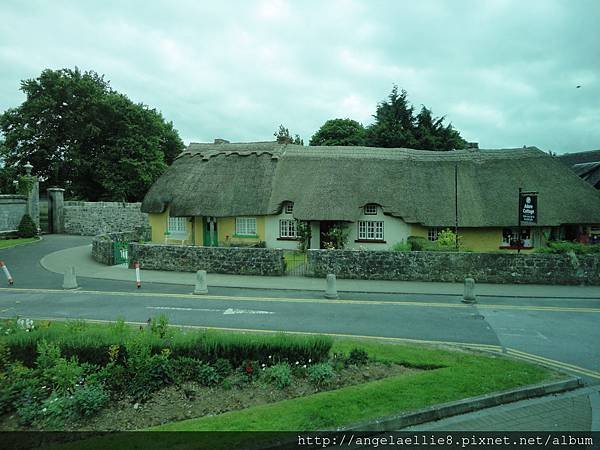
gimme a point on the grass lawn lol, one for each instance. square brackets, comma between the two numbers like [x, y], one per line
[293, 259]
[6, 243]
[459, 375]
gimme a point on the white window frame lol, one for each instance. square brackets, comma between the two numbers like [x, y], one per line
[288, 208]
[370, 230]
[370, 209]
[245, 226]
[288, 229]
[432, 233]
[177, 225]
[514, 236]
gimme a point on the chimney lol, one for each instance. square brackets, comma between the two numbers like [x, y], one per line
[221, 141]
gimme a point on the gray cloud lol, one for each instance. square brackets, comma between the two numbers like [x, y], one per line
[503, 72]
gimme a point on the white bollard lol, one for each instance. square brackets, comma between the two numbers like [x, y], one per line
[201, 287]
[469, 295]
[70, 280]
[138, 280]
[6, 272]
[331, 290]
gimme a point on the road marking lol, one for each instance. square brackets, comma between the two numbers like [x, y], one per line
[224, 311]
[553, 363]
[313, 300]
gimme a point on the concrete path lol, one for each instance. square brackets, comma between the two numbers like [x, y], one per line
[571, 411]
[80, 257]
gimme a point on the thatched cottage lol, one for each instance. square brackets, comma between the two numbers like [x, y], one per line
[224, 193]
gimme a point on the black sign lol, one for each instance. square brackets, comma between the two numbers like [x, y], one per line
[528, 211]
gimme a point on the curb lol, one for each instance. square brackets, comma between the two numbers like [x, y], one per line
[39, 239]
[467, 405]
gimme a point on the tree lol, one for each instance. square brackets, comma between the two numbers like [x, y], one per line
[283, 136]
[82, 135]
[396, 126]
[339, 132]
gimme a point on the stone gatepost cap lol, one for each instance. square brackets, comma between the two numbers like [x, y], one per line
[55, 189]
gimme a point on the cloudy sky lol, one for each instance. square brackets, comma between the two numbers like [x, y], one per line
[503, 72]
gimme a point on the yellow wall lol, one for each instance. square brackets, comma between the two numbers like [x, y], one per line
[477, 239]
[158, 223]
[226, 230]
[199, 224]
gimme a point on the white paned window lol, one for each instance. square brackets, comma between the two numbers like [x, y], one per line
[177, 225]
[370, 230]
[432, 233]
[289, 208]
[245, 226]
[287, 228]
[370, 210]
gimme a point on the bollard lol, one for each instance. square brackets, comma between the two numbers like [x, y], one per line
[469, 295]
[201, 287]
[6, 272]
[138, 280]
[70, 280]
[331, 290]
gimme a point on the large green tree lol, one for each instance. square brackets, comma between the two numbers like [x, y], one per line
[339, 132]
[82, 135]
[397, 126]
[283, 136]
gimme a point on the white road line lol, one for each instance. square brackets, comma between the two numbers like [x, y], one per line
[224, 311]
[173, 308]
[245, 311]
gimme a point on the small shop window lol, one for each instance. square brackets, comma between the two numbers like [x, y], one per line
[510, 238]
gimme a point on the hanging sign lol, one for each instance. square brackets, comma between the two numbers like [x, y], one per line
[528, 211]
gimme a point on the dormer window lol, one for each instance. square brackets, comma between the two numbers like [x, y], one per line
[370, 209]
[288, 208]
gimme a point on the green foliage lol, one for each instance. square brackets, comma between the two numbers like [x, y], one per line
[159, 326]
[223, 367]
[89, 399]
[279, 375]
[357, 357]
[190, 369]
[25, 184]
[64, 375]
[283, 136]
[337, 236]
[402, 246]
[321, 374]
[81, 134]
[446, 241]
[48, 354]
[340, 132]
[563, 247]
[147, 373]
[304, 235]
[396, 126]
[27, 227]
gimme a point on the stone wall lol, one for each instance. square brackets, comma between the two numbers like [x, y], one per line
[231, 260]
[94, 218]
[102, 245]
[454, 267]
[12, 209]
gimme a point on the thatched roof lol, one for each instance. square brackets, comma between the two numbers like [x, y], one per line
[570, 159]
[590, 172]
[334, 183]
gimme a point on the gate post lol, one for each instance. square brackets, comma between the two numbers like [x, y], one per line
[56, 210]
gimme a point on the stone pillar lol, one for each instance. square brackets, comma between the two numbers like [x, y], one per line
[56, 211]
[33, 198]
[315, 235]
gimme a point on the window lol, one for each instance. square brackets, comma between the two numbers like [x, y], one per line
[370, 230]
[370, 210]
[510, 238]
[289, 208]
[177, 225]
[432, 233]
[287, 228]
[245, 226]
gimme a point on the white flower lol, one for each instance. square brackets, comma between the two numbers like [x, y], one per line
[304, 366]
[264, 365]
[269, 356]
[309, 360]
[43, 409]
[297, 363]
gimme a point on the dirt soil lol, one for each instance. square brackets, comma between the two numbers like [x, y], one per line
[191, 400]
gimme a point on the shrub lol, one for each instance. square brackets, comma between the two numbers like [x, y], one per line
[159, 326]
[223, 367]
[401, 247]
[357, 357]
[418, 243]
[279, 375]
[563, 247]
[321, 374]
[64, 375]
[190, 369]
[27, 228]
[89, 399]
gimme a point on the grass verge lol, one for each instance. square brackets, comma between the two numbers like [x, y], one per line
[7, 243]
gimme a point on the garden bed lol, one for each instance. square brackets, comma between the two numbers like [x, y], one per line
[79, 376]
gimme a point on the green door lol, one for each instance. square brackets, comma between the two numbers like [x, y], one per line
[210, 223]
